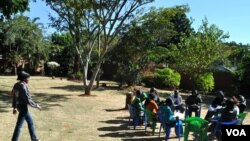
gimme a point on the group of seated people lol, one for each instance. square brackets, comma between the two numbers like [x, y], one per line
[172, 108]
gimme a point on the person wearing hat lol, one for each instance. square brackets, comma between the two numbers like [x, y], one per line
[21, 100]
[216, 105]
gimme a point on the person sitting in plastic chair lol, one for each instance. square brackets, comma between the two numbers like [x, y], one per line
[154, 92]
[228, 116]
[151, 117]
[169, 119]
[241, 103]
[138, 105]
[216, 106]
[193, 104]
[177, 101]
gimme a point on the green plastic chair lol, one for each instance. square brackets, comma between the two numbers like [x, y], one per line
[196, 125]
[149, 120]
[242, 117]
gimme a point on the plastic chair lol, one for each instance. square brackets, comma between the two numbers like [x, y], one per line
[149, 120]
[196, 125]
[132, 115]
[242, 117]
[167, 127]
[217, 128]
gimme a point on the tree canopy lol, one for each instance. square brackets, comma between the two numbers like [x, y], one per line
[9, 7]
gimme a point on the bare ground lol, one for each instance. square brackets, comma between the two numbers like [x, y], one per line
[66, 116]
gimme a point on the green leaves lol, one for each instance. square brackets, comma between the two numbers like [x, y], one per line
[201, 51]
[9, 7]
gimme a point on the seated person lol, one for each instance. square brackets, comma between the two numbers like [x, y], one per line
[168, 116]
[143, 96]
[228, 114]
[193, 103]
[155, 93]
[152, 105]
[138, 105]
[236, 103]
[241, 103]
[216, 105]
[177, 101]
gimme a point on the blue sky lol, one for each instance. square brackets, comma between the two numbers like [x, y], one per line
[232, 16]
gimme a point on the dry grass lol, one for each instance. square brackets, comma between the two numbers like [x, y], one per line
[68, 117]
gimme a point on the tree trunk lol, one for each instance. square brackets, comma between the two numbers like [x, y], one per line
[76, 64]
[88, 90]
[98, 78]
[93, 77]
[129, 99]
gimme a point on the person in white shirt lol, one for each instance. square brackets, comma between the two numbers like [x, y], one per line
[177, 101]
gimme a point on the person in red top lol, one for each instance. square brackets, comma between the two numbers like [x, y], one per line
[152, 106]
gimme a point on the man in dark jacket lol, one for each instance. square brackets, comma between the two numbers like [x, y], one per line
[20, 102]
[193, 103]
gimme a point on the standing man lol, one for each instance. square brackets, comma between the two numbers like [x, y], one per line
[20, 102]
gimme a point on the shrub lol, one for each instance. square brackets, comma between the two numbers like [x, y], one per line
[167, 77]
[149, 80]
[78, 76]
[205, 82]
[129, 76]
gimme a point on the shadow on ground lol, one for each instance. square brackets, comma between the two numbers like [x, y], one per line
[121, 127]
[46, 100]
[70, 88]
[81, 88]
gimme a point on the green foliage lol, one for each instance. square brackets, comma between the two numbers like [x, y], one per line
[242, 73]
[129, 75]
[201, 52]
[149, 37]
[149, 81]
[78, 76]
[168, 77]
[205, 82]
[23, 37]
[61, 52]
[9, 7]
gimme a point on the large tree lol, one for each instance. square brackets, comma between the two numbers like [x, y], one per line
[148, 39]
[61, 52]
[9, 7]
[22, 38]
[201, 52]
[89, 20]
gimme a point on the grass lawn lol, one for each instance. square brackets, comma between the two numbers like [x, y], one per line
[68, 117]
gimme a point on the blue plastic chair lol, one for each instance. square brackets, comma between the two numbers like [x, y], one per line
[132, 115]
[167, 128]
[217, 128]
